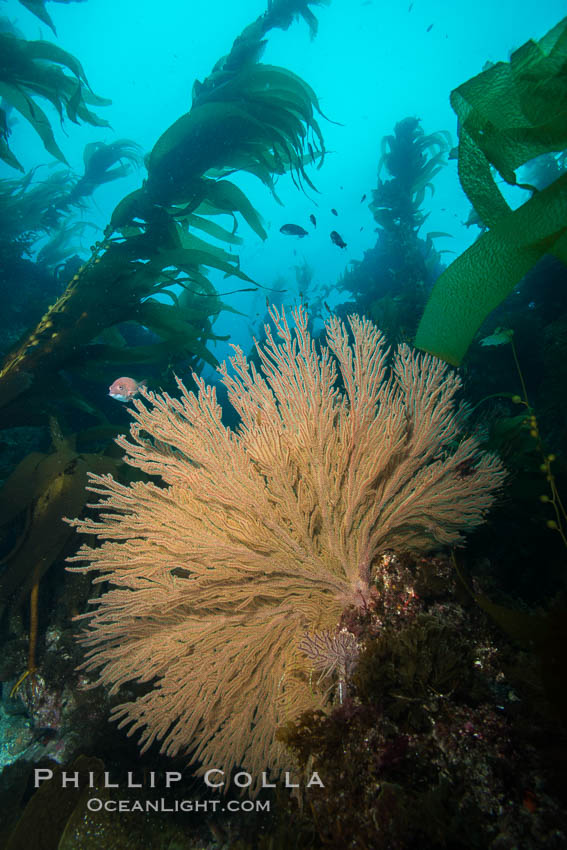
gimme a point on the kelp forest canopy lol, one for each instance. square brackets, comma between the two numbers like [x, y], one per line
[299, 563]
[269, 117]
[106, 319]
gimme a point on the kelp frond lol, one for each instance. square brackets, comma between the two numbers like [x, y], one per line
[509, 114]
[411, 156]
[258, 120]
[37, 8]
[412, 159]
[282, 13]
[38, 69]
[30, 207]
[63, 244]
[104, 163]
[249, 45]
[245, 116]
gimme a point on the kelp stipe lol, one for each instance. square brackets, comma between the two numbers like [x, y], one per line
[150, 244]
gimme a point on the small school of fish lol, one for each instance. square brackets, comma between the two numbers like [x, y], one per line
[291, 229]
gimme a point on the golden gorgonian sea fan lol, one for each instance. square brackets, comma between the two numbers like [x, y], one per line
[259, 536]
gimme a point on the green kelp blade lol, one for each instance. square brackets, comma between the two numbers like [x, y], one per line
[212, 229]
[63, 493]
[46, 51]
[37, 8]
[509, 114]
[209, 136]
[479, 280]
[228, 198]
[29, 110]
[134, 205]
[8, 157]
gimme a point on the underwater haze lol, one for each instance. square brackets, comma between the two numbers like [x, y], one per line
[371, 64]
[283, 424]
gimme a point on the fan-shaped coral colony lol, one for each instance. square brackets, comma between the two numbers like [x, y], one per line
[272, 563]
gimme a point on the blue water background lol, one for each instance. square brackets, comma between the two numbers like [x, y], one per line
[371, 65]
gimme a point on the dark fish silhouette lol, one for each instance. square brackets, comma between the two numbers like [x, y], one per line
[429, 28]
[334, 211]
[313, 220]
[362, 200]
[293, 230]
[337, 239]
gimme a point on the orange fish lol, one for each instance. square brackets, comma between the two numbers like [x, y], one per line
[124, 389]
